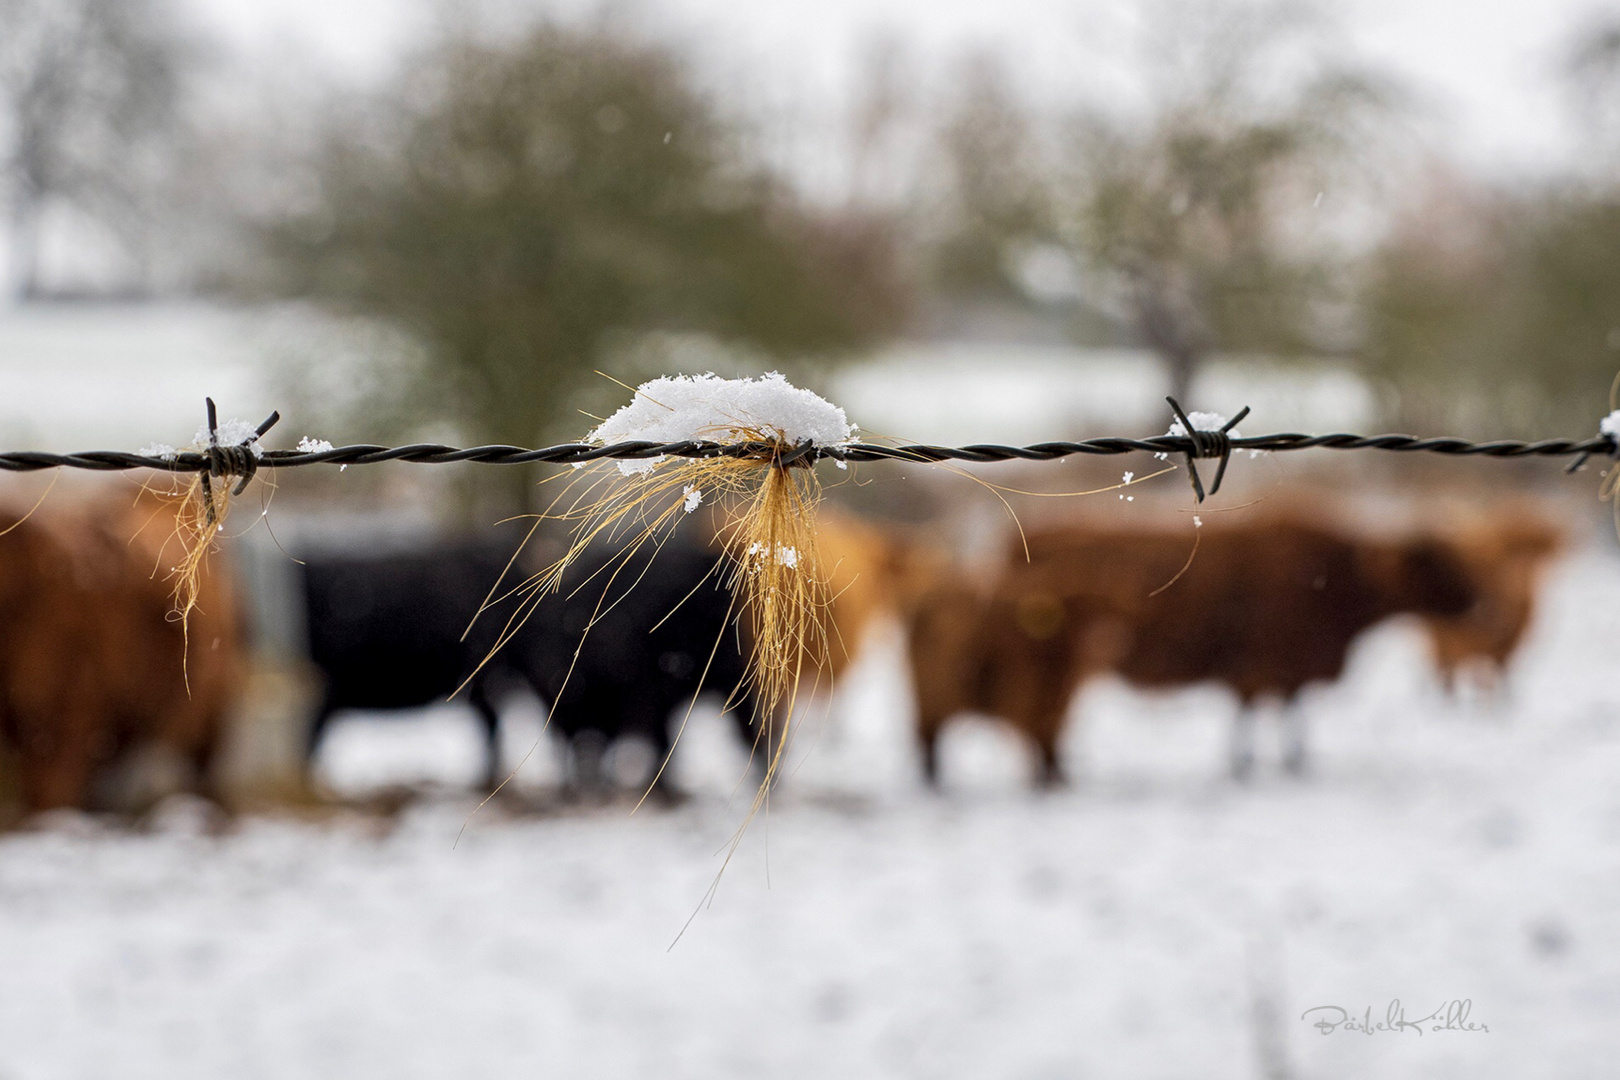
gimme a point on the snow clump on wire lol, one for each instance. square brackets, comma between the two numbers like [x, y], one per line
[1205, 421]
[1202, 421]
[232, 432]
[708, 408]
[1610, 425]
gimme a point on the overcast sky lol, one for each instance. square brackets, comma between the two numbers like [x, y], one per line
[1484, 65]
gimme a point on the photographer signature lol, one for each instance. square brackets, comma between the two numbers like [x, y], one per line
[1451, 1016]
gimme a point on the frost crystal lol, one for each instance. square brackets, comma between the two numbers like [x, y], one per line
[1206, 421]
[308, 445]
[1610, 425]
[1203, 421]
[694, 497]
[1129, 476]
[1198, 522]
[677, 408]
[231, 433]
[787, 556]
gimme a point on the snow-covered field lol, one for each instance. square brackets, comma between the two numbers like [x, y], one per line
[1154, 921]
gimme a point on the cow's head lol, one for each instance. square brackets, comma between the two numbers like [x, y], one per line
[1427, 576]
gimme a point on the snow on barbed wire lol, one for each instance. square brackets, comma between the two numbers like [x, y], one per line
[707, 407]
[232, 432]
[1205, 421]
[1610, 425]
[311, 445]
[1202, 421]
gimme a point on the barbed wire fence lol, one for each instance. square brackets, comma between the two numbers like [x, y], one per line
[242, 460]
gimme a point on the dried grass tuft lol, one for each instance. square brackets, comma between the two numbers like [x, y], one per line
[766, 510]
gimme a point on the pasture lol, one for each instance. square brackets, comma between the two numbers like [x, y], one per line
[1155, 919]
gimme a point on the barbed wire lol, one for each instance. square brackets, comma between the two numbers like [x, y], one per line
[241, 460]
[582, 453]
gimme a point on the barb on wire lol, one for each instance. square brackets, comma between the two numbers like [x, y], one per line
[229, 459]
[1207, 444]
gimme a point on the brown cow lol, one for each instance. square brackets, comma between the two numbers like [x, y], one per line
[1507, 555]
[1265, 608]
[93, 665]
[989, 648]
[866, 568]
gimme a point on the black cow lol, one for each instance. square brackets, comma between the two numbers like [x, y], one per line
[652, 628]
[387, 633]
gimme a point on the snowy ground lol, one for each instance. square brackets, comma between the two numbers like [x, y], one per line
[1155, 921]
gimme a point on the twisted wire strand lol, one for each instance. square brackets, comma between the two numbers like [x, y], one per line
[581, 453]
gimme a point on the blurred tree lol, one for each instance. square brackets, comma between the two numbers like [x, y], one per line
[1193, 220]
[515, 206]
[1500, 311]
[1592, 76]
[89, 95]
[881, 107]
[990, 197]
[1508, 323]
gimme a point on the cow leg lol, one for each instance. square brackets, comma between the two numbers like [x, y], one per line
[773, 756]
[317, 730]
[589, 747]
[478, 696]
[663, 782]
[58, 778]
[745, 724]
[1045, 716]
[205, 776]
[1051, 769]
[58, 754]
[928, 748]
[759, 735]
[1294, 744]
[1243, 742]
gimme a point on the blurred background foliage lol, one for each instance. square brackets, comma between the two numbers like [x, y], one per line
[1195, 216]
[93, 119]
[520, 206]
[1500, 309]
[516, 206]
[1507, 320]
